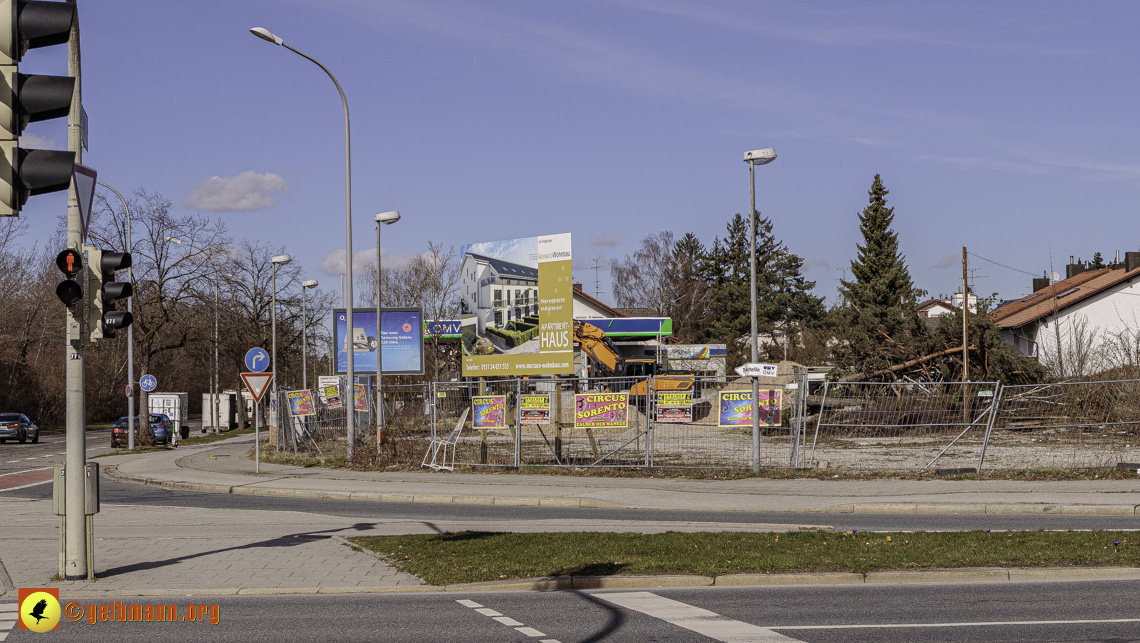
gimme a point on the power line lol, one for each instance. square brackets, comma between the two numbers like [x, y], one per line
[1031, 274]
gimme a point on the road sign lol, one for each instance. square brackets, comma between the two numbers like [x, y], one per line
[148, 383]
[128, 390]
[257, 383]
[84, 179]
[757, 370]
[257, 360]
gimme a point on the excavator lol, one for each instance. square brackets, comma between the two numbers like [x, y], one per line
[643, 373]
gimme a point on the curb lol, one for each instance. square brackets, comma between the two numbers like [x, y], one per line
[979, 575]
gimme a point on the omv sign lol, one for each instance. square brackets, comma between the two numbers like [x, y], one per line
[445, 328]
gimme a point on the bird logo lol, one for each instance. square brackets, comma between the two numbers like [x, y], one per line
[39, 609]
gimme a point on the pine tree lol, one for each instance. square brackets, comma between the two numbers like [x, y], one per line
[691, 302]
[879, 323]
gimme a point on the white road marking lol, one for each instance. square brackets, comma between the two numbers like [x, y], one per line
[505, 620]
[695, 619]
[977, 624]
[25, 486]
[7, 619]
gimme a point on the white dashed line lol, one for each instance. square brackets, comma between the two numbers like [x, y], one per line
[701, 621]
[505, 620]
[7, 619]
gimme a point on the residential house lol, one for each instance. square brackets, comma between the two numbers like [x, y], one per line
[497, 291]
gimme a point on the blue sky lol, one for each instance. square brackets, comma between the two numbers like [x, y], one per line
[1007, 127]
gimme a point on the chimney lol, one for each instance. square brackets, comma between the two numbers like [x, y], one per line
[578, 286]
[1073, 269]
[1039, 283]
[1131, 261]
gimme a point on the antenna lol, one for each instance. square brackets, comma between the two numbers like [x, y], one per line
[597, 282]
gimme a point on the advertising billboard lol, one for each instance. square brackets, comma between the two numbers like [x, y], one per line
[736, 408]
[400, 340]
[518, 302]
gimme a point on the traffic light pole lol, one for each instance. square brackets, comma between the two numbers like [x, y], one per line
[76, 565]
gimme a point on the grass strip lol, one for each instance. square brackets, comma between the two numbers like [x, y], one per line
[472, 556]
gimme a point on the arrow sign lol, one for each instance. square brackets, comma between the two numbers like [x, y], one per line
[257, 383]
[757, 370]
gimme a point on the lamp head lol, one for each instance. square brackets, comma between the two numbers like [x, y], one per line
[312, 283]
[264, 34]
[760, 157]
[281, 259]
[389, 217]
[174, 239]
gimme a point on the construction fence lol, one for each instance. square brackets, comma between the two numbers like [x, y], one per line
[575, 423]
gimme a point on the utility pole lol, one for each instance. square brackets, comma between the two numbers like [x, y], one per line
[965, 339]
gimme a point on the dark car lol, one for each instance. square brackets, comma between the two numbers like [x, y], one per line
[17, 426]
[160, 427]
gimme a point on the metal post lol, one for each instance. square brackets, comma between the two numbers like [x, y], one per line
[304, 341]
[273, 324]
[755, 337]
[217, 376]
[379, 346]
[76, 563]
[130, 329]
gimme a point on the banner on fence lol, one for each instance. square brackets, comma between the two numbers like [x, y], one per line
[361, 401]
[328, 389]
[736, 408]
[601, 410]
[535, 409]
[489, 412]
[300, 403]
[674, 406]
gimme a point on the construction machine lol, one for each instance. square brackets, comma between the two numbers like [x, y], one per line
[638, 375]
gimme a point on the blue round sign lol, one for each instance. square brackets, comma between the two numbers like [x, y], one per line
[257, 360]
[148, 383]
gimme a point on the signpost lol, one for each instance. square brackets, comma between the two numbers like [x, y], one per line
[757, 370]
[257, 360]
[258, 384]
[148, 383]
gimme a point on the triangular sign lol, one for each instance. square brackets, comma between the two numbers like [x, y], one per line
[84, 178]
[257, 383]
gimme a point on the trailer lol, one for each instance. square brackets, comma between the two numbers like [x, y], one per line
[176, 407]
[231, 411]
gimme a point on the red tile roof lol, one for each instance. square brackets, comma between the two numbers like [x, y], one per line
[1059, 296]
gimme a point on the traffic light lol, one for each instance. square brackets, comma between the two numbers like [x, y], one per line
[69, 291]
[26, 98]
[102, 318]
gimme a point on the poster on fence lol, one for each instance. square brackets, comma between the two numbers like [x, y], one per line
[328, 388]
[300, 403]
[675, 406]
[601, 410]
[736, 408]
[535, 409]
[489, 412]
[361, 401]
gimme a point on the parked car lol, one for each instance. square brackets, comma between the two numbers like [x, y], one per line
[17, 426]
[160, 427]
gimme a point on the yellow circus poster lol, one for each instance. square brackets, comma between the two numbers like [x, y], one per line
[601, 410]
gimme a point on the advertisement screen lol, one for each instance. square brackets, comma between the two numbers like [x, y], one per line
[400, 340]
[518, 307]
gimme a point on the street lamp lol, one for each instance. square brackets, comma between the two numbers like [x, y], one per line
[279, 260]
[214, 412]
[350, 422]
[305, 285]
[754, 158]
[131, 420]
[387, 218]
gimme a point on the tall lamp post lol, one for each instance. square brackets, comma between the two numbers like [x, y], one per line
[131, 421]
[279, 260]
[350, 420]
[305, 285]
[214, 419]
[386, 218]
[754, 158]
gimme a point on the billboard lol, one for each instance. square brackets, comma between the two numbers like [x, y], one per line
[400, 340]
[736, 408]
[518, 307]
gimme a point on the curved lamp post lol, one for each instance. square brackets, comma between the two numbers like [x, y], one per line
[131, 420]
[265, 35]
[386, 218]
[305, 285]
[214, 419]
[279, 260]
[754, 158]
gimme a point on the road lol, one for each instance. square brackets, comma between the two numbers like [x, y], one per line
[1029, 612]
[28, 463]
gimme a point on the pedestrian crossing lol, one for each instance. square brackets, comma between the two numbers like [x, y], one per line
[7, 619]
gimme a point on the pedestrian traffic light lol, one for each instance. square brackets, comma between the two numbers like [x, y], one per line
[26, 98]
[69, 291]
[102, 318]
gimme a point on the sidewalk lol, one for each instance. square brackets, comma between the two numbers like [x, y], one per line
[158, 550]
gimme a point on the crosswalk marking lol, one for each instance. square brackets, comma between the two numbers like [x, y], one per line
[701, 621]
[7, 619]
[505, 620]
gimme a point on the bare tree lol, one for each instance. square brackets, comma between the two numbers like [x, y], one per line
[642, 280]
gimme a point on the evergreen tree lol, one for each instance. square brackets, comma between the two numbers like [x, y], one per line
[691, 302]
[879, 323]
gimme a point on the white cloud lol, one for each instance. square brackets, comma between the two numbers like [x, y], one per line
[34, 141]
[607, 240]
[949, 261]
[815, 263]
[246, 192]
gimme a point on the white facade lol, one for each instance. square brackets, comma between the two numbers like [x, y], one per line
[498, 292]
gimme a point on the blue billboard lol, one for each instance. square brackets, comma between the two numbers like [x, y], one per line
[400, 342]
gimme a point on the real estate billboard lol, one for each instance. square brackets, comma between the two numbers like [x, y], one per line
[518, 304]
[400, 340]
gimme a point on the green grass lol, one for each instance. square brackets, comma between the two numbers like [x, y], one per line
[465, 557]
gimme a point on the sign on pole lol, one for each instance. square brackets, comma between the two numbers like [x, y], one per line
[148, 383]
[257, 360]
[257, 383]
[757, 370]
[84, 178]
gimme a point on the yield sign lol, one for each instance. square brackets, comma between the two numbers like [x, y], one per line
[84, 178]
[257, 383]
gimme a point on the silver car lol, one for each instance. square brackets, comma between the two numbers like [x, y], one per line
[17, 426]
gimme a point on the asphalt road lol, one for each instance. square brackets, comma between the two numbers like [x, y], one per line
[1019, 612]
[134, 494]
[16, 457]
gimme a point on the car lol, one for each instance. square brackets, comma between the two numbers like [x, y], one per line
[17, 426]
[160, 427]
[483, 346]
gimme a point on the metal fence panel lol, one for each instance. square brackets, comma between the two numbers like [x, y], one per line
[897, 425]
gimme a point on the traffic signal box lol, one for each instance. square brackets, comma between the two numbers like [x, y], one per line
[26, 98]
[102, 318]
[69, 291]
